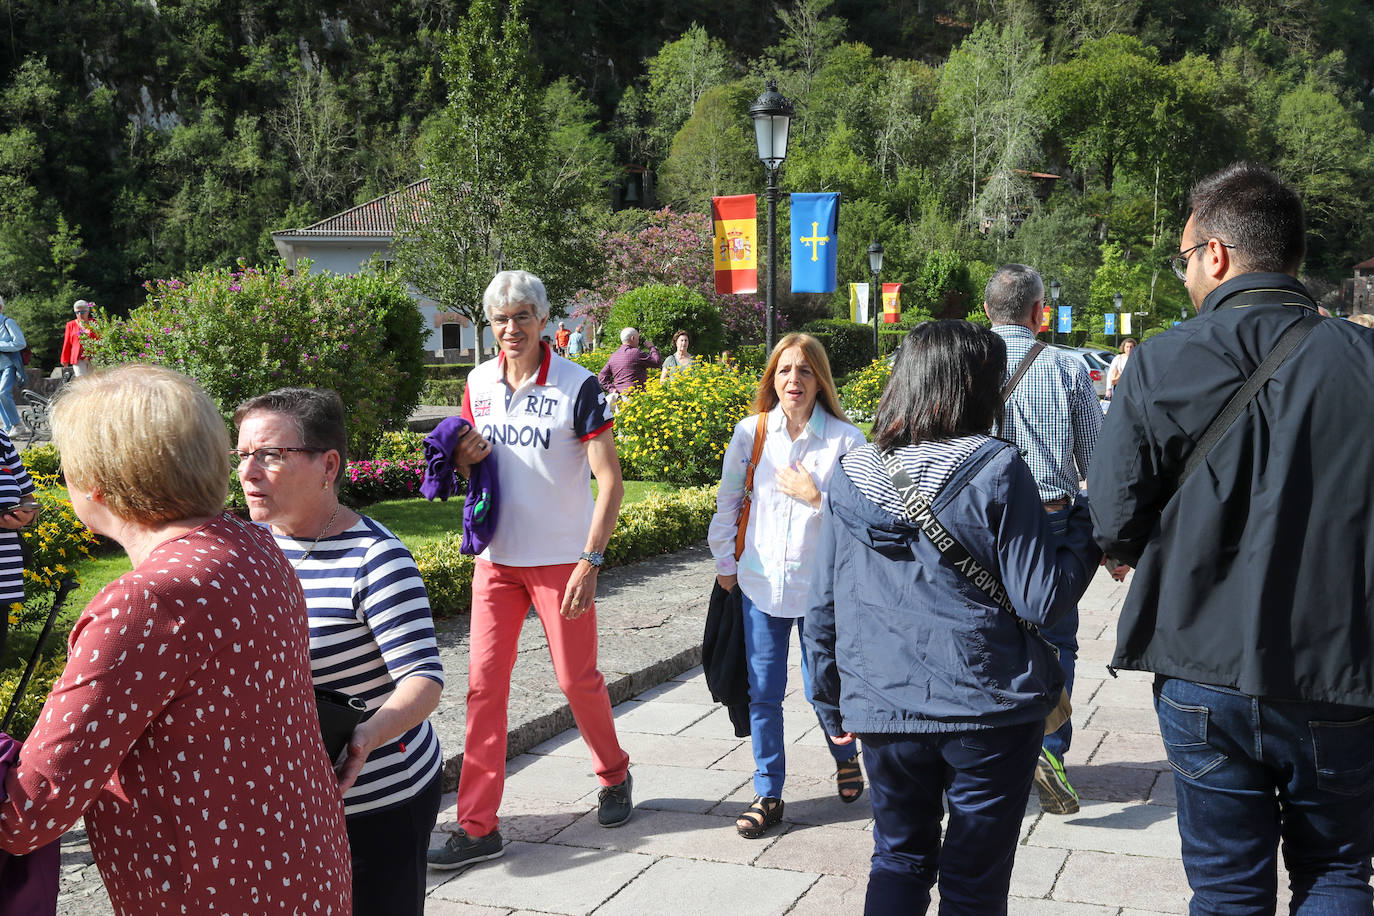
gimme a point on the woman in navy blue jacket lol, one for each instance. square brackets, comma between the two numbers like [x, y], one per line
[947, 686]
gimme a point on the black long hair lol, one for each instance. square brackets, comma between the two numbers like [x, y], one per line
[946, 382]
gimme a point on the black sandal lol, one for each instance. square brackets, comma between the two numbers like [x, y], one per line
[759, 817]
[849, 776]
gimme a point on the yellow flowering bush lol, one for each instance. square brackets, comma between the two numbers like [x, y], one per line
[660, 523]
[53, 547]
[860, 395]
[677, 431]
[26, 713]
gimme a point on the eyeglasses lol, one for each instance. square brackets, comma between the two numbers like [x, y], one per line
[1179, 262]
[521, 319]
[269, 458]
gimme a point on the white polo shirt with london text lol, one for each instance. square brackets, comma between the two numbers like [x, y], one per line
[538, 435]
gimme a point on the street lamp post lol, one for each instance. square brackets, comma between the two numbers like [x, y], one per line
[1055, 287]
[1116, 304]
[772, 114]
[875, 264]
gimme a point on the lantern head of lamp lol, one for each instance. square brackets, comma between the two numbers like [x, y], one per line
[1116, 302]
[875, 258]
[772, 114]
[1054, 290]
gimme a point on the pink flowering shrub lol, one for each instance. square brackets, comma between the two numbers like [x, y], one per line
[244, 331]
[672, 249]
[367, 482]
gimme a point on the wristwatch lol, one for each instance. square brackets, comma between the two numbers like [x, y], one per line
[594, 558]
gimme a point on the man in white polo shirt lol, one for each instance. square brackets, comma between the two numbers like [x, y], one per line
[546, 422]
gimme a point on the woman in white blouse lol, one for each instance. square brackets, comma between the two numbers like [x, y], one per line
[805, 435]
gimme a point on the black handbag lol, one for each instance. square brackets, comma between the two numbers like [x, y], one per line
[339, 716]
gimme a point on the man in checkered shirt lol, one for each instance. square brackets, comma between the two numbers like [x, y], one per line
[1053, 417]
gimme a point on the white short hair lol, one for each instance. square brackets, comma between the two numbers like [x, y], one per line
[626, 334]
[516, 287]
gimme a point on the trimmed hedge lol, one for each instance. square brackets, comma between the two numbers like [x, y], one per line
[441, 371]
[661, 523]
[656, 311]
[888, 341]
[446, 391]
[848, 343]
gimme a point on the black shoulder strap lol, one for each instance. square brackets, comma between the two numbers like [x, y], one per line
[1242, 398]
[1021, 369]
[922, 515]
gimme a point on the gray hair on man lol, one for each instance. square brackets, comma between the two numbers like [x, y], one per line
[627, 335]
[510, 289]
[1011, 292]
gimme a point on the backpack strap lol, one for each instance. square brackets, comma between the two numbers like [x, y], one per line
[921, 513]
[1021, 369]
[1242, 398]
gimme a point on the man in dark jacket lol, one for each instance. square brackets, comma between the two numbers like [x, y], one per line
[1253, 597]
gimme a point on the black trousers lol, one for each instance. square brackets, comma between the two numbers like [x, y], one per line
[389, 849]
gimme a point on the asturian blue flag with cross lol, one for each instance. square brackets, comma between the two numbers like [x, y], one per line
[815, 242]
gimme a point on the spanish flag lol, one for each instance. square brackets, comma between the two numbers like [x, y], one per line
[892, 302]
[735, 246]
[1045, 317]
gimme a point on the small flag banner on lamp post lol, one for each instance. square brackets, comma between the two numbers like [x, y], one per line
[1045, 317]
[815, 224]
[736, 243]
[892, 302]
[1109, 323]
[1065, 319]
[858, 302]
[1125, 322]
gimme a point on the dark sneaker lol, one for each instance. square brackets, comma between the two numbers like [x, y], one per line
[461, 850]
[613, 804]
[1052, 785]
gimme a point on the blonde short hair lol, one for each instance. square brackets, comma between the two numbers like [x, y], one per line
[148, 439]
[1363, 320]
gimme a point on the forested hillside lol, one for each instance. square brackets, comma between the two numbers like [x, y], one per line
[146, 138]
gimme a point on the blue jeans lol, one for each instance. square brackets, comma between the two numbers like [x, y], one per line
[986, 778]
[10, 378]
[765, 644]
[1063, 635]
[1252, 773]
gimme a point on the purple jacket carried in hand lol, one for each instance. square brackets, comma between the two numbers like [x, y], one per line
[28, 884]
[441, 480]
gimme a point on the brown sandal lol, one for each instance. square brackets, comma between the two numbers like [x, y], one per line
[849, 778]
[759, 817]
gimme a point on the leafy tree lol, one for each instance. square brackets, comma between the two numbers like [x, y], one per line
[491, 201]
[581, 160]
[1323, 152]
[987, 89]
[1103, 106]
[656, 311]
[676, 79]
[714, 153]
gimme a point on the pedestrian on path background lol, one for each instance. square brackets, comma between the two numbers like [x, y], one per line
[12, 344]
[1053, 416]
[1253, 540]
[546, 421]
[79, 330]
[794, 439]
[943, 679]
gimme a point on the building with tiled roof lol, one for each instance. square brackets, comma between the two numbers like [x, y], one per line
[346, 242]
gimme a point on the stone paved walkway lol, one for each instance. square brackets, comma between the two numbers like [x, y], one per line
[679, 854]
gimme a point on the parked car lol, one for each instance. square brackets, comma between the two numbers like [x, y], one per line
[1095, 361]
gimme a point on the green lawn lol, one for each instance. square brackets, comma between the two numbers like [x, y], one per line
[415, 521]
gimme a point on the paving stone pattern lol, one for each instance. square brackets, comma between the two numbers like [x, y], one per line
[679, 854]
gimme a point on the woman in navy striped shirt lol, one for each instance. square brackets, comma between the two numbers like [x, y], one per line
[371, 634]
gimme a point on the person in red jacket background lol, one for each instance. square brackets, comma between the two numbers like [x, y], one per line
[79, 330]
